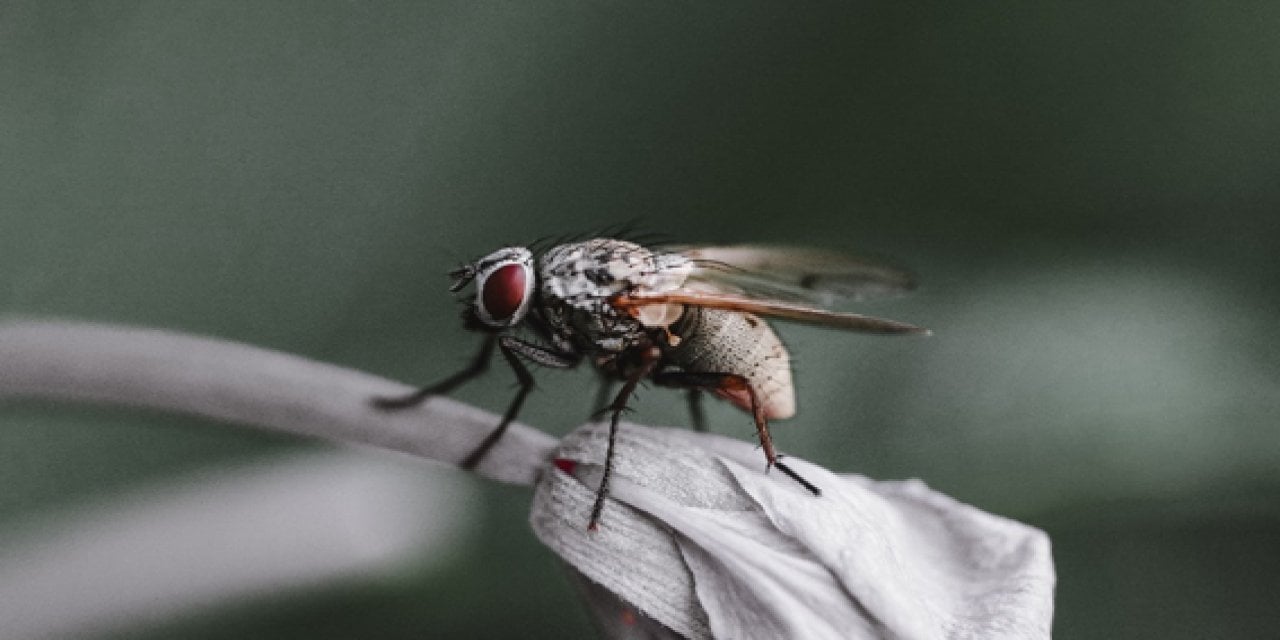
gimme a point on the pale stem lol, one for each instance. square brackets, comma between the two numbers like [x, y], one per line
[252, 386]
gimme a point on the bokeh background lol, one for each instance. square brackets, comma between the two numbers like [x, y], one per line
[1088, 192]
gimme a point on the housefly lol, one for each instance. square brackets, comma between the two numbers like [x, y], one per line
[688, 317]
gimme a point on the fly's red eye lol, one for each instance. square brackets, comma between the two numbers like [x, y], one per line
[504, 291]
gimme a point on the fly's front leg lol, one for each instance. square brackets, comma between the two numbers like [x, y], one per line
[648, 360]
[478, 366]
[695, 381]
[512, 349]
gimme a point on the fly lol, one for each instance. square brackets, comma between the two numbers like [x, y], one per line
[687, 317]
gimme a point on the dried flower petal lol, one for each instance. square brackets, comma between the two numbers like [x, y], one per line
[696, 537]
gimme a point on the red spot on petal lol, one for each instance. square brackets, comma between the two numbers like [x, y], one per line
[504, 291]
[629, 617]
[566, 465]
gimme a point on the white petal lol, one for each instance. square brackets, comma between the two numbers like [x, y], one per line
[698, 538]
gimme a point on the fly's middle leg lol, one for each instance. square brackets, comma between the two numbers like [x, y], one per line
[648, 360]
[600, 406]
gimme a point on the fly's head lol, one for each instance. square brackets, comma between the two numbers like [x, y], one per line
[504, 287]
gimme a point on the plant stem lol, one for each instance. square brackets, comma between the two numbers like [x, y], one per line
[252, 386]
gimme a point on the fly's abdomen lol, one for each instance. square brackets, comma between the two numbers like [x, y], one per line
[715, 341]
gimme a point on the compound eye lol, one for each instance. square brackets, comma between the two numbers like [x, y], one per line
[504, 292]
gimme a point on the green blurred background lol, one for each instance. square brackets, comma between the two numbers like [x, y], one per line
[1088, 191]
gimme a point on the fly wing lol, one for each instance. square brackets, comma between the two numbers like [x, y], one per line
[793, 274]
[771, 308]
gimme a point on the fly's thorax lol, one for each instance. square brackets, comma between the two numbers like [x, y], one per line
[577, 280]
[716, 341]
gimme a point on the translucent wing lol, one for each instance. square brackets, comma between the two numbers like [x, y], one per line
[792, 274]
[767, 307]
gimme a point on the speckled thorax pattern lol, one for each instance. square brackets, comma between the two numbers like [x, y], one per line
[577, 280]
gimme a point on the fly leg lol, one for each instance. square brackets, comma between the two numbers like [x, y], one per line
[509, 347]
[512, 349]
[696, 415]
[648, 360]
[733, 382]
[696, 381]
[478, 366]
[600, 405]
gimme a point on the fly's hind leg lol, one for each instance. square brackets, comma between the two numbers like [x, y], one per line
[696, 381]
[696, 416]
